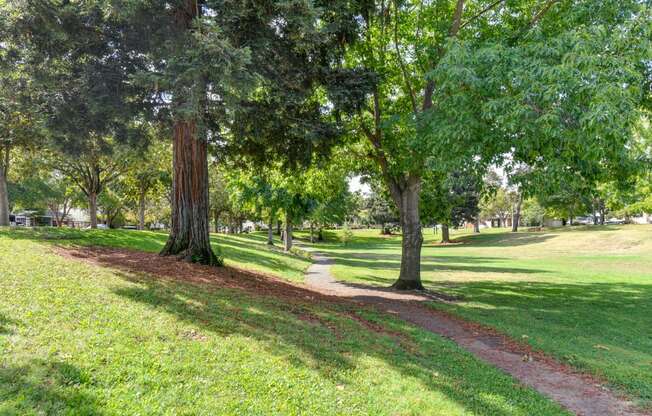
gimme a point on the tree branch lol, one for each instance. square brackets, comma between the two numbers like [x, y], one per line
[481, 12]
[401, 64]
[457, 19]
[537, 17]
[454, 30]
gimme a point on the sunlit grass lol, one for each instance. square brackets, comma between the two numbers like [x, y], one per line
[583, 295]
[79, 339]
[246, 251]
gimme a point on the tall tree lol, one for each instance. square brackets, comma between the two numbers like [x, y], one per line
[466, 82]
[76, 58]
[18, 114]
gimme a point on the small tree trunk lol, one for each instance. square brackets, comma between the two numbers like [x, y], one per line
[445, 234]
[216, 221]
[312, 233]
[320, 234]
[92, 209]
[407, 200]
[516, 218]
[189, 235]
[141, 211]
[602, 214]
[595, 216]
[288, 234]
[270, 231]
[4, 198]
[4, 189]
[476, 225]
[278, 227]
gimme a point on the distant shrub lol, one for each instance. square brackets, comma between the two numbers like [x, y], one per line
[347, 235]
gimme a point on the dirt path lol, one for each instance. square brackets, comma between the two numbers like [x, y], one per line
[578, 393]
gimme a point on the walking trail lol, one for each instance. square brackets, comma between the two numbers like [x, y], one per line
[578, 393]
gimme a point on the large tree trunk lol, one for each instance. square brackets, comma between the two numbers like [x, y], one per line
[516, 217]
[445, 234]
[288, 233]
[141, 211]
[407, 200]
[4, 190]
[270, 231]
[189, 235]
[92, 209]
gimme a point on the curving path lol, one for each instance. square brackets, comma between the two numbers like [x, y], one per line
[578, 393]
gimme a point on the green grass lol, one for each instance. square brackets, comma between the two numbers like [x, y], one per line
[245, 251]
[78, 339]
[581, 295]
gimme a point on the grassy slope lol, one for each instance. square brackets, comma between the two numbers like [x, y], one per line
[584, 296]
[85, 340]
[245, 251]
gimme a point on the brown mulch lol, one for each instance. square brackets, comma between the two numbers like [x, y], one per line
[133, 261]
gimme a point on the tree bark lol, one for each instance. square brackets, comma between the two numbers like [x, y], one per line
[445, 234]
[278, 227]
[189, 235]
[4, 199]
[312, 232]
[602, 214]
[406, 198]
[92, 209]
[288, 234]
[270, 231]
[476, 225]
[516, 217]
[320, 234]
[141, 211]
[4, 189]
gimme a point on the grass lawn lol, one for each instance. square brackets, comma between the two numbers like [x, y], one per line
[79, 339]
[583, 295]
[245, 251]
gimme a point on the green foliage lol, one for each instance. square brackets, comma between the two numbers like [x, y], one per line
[347, 235]
[532, 212]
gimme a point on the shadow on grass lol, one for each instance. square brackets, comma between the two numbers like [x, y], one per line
[132, 239]
[429, 264]
[329, 339]
[51, 387]
[6, 324]
[605, 327]
[244, 248]
[502, 239]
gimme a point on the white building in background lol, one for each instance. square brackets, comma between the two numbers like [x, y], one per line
[642, 219]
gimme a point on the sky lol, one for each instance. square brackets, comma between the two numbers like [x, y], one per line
[355, 185]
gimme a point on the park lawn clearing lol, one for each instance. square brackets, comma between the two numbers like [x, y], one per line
[81, 337]
[244, 251]
[583, 295]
